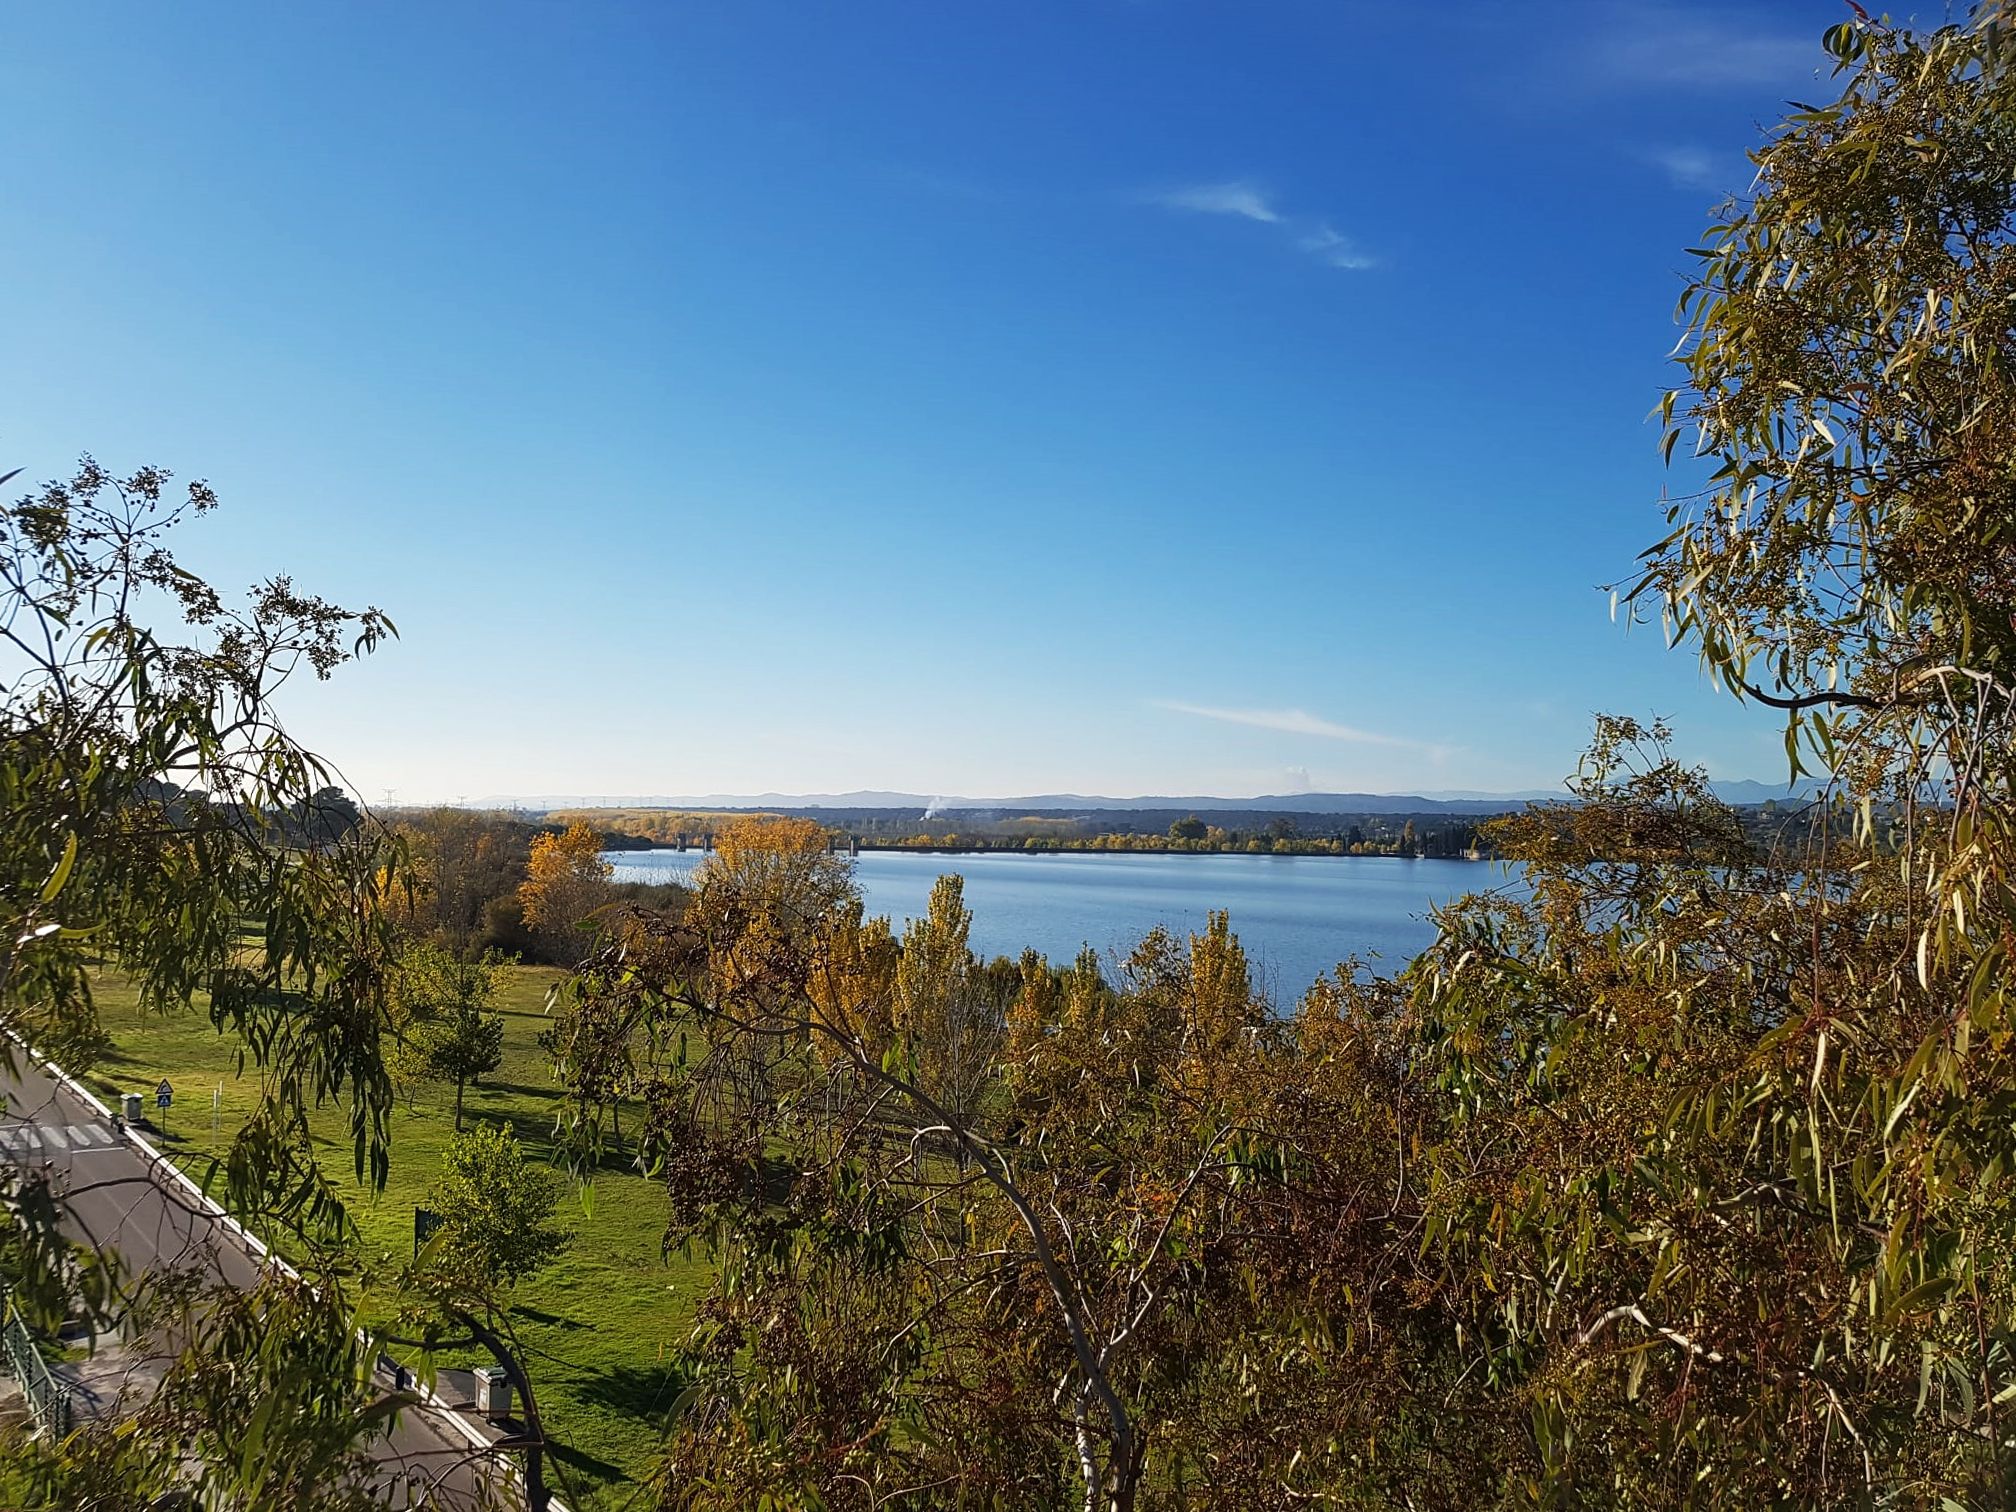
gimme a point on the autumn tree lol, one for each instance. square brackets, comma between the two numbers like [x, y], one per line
[950, 1027]
[1676, 1177]
[1762, 1196]
[1055, 1009]
[1219, 1004]
[760, 904]
[566, 881]
[766, 903]
[460, 883]
[1032, 1018]
[887, 1209]
[853, 985]
[766, 895]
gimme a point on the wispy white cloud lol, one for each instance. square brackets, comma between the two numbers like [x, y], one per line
[1699, 47]
[1235, 198]
[1686, 167]
[1247, 201]
[1338, 251]
[1288, 722]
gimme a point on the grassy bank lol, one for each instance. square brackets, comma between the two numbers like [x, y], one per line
[598, 1323]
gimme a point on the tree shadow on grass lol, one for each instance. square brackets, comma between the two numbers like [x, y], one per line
[639, 1391]
[534, 1131]
[513, 1089]
[587, 1464]
[551, 1320]
[529, 1129]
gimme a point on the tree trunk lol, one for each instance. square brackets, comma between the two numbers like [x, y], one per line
[458, 1104]
[537, 1497]
[1088, 1462]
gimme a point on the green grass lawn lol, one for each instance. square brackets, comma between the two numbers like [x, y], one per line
[598, 1324]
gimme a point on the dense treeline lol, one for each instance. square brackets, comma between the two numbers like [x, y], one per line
[1260, 832]
[659, 827]
[1414, 1242]
[1371, 835]
[464, 884]
[1686, 1179]
[325, 817]
[1683, 1178]
[1425, 835]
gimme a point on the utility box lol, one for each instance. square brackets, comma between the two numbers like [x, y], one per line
[135, 1105]
[493, 1393]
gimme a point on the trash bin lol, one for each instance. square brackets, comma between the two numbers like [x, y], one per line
[135, 1103]
[493, 1393]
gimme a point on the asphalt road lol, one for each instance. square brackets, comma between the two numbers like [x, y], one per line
[116, 1197]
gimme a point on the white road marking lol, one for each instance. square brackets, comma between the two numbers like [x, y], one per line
[87, 1135]
[53, 1134]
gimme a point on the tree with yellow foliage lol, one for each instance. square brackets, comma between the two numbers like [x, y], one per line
[951, 1030]
[566, 880]
[1032, 1018]
[765, 897]
[1221, 1001]
[853, 983]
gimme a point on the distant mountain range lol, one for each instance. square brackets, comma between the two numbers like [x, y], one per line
[1455, 802]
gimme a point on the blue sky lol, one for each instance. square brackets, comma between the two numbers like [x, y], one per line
[1122, 395]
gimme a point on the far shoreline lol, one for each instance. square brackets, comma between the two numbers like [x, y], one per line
[1068, 851]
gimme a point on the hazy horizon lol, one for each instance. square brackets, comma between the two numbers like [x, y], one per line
[895, 799]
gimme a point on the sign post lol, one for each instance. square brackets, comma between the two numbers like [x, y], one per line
[163, 1096]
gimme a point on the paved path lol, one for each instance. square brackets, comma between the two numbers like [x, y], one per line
[119, 1195]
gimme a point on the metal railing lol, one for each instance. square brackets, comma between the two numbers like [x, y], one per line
[48, 1398]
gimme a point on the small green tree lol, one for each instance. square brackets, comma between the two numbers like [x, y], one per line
[441, 1013]
[496, 1209]
[1192, 828]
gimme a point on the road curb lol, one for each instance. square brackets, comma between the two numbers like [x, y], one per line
[260, 1250]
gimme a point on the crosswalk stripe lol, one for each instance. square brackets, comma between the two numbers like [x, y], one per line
[30, 1139]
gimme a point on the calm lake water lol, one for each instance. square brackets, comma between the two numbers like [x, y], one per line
[1297, 916]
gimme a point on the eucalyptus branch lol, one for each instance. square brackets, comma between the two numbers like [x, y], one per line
[1829, 699]
[994, 1166]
